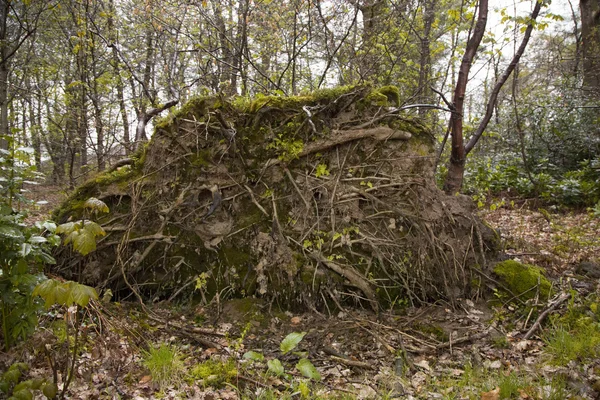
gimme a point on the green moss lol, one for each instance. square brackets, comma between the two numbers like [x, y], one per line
[523, 279]
[215, 373]
[376, 98]
[92, 188]
[234, 256]
[384, 96]
[321, 96]
[392, 93]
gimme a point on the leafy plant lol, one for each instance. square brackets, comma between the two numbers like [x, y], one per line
[289, 343]
[11, 384]
[165, 364]
[82, 235]
[23, 250]
[72, 297]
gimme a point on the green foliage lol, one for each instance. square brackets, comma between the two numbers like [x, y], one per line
[307, 369]
[66, 294]
[575, 334]
[11, 383]
[562, 156]
[165, 364]
[291, 341]
[82, 235]
[565, 345]
[23, 252]
[287, 149]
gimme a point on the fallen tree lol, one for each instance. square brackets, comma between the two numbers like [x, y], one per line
[302, 200]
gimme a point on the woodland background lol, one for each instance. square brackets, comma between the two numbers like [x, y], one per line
[80, 80]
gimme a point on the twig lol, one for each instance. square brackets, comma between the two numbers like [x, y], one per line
[291, 178]
[551, 307]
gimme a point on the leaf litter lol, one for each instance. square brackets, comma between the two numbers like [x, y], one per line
[469, 350]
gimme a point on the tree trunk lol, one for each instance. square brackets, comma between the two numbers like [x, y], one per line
[4, 133]
[118, 80]
[456, 168]
[590, 31]
[425, 62]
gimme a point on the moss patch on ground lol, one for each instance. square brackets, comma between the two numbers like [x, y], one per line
[524, 280]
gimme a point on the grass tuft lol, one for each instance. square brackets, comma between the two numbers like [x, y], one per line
[165, 364]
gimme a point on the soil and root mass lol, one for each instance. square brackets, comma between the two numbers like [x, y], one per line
[312, 201]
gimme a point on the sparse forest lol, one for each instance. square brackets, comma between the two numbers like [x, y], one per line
[314, 199]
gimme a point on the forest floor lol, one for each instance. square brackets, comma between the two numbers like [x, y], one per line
[472, 349]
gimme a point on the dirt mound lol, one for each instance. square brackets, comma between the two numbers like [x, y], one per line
[305, 200]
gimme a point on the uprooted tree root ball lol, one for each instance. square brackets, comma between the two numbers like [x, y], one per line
[310, 201]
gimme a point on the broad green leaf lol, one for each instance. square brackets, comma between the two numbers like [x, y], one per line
[25, 249]
[68, 227]
[47, 258]
[49, 225]
[71, 237]
[93, 228]
[275, 366]
[10, 232]
[52, 292]
[96, 205]
[37, 239]
[307, 369]
[254, 356]
[85, 242]
[64, 293]
[291, 341]
[79, 294]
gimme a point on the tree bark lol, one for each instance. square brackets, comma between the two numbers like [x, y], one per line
[118, 80]
[4, 50]
[590, 31]
[425, 61]
[456, 167]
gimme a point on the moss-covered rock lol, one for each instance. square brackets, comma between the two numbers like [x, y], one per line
[524, 280]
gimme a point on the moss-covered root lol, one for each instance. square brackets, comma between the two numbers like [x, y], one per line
[523, 280]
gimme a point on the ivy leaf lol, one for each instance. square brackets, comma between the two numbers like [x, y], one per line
[254, 356]
[307, 369]
[291, 341]
[275, 366]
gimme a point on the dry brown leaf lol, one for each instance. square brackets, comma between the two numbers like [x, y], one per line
[145, 379]
[491, 395]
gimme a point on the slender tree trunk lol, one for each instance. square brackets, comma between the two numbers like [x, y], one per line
[425, 62]
[4, 68]
[36, 142]
[590, 31]
[118, 80]
[456, 167]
